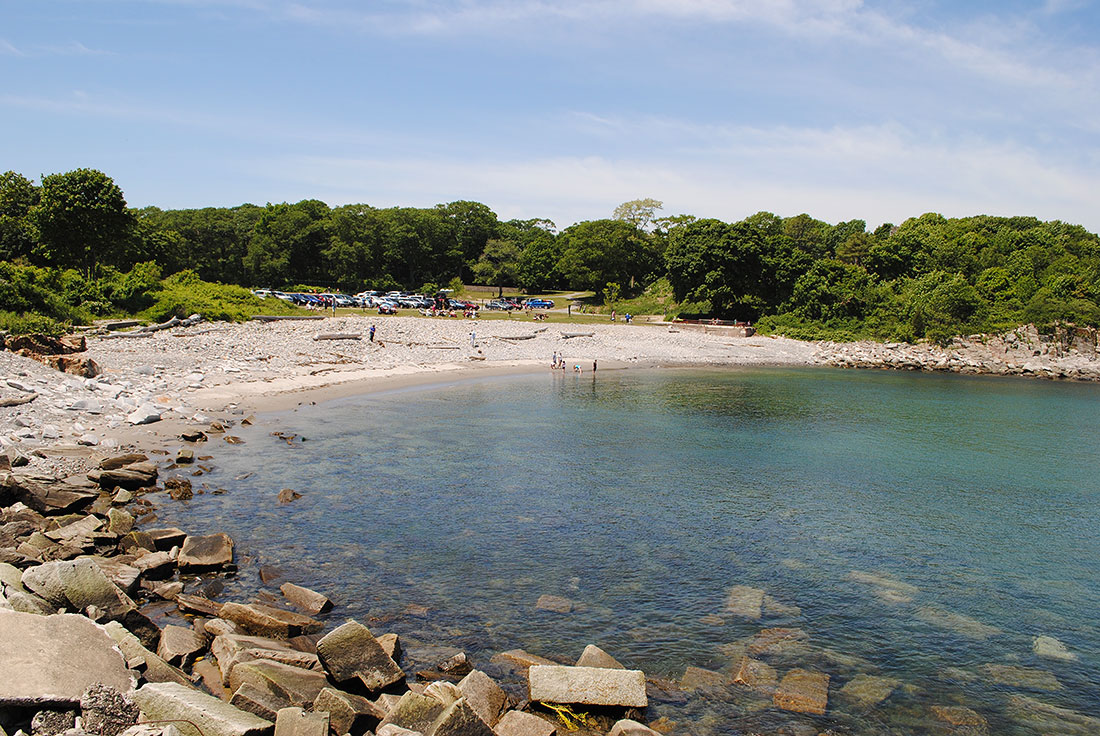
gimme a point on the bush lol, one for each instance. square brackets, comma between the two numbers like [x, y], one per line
[184, 294]
[28, 324]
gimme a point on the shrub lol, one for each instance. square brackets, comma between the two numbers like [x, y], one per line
[184, 293]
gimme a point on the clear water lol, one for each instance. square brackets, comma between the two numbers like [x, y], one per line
[643, 496]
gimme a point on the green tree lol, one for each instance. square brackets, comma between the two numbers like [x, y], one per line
[18, 196]
[82, 221]
[719, 263]
[498, 264]
[599, 251]
[638, 212]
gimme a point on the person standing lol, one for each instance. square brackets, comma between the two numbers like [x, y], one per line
[473, 339]
[372, 333]
[593, 365]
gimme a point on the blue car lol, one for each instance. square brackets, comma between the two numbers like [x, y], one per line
[538, 304]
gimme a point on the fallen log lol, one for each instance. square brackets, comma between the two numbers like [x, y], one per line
[117, 335]
[337, 336]
[444, 347]
[518, 337]
[283, 318]
[18, 401]
[568, 335]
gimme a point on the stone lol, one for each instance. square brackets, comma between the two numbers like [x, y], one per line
[593, 656]
[258, 701]
[220, 627]
[106, 711]
[697, 678]
[443, 691]
[453, 669]
[459, 719]
[778, 609]
[166, 538]
[155, 565]
[144, 414]
[746, 602]
[198, 604]
[347, 712]
[1024, 678]
[519, 660]
[119, 521]
[168, 591]
[180, 646]
[297, 685]
[185, 456]
[484, 695]
[518, 723]
[773, 642]
[53, 659]
[297, 722]
[1051, 719]
[76, 530]
[867, 691]
[131, 477]
[121, 461]
[138, 657]
[393, 730]
[351, 651]
[1050, 648]
[231, 648]
[587, 686]
[264, 620]
[49, 722]
[307, 600]
[136, 540]
[802, 691]
[627, 727]
[413, 711]
[956, 622]
[391, 645]
[205, 552]
[179, 489]
[206, 671]
[288, 495]
[169, 701]
[756, 675]
[554, 604]
[958, 715]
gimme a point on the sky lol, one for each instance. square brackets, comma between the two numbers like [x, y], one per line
[872, 109]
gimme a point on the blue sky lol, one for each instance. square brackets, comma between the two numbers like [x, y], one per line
[844, 109]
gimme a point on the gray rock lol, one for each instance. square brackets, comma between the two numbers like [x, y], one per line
[867, 691]
[206, 553]
[518, 723]
[484, 695]
[86, 586]
[414, 711]
[53, 659]
[49, 722]
[299, 686]
[152, 667]
[587, 686]
[593, 656]
[297, 722]
[351, 651]
[348, 713]
[106, 711]
[267, 621]
[119, 521]
[627, 727]
[258, 701]
[179, 646]
[459, 719]
[554, 604]
[169, 701]
[123, 575]
[307, 600]
[144, 414]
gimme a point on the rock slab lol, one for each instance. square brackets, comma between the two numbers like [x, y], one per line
[169, 701]
[297, 722]
[350, 651]
[803, 691]
[54, 659]
[587, 686]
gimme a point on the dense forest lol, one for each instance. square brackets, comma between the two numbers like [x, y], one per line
[71, 249]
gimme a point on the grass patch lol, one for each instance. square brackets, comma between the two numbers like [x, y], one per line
[184, 294]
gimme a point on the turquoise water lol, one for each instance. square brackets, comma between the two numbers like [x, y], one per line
[924, 526]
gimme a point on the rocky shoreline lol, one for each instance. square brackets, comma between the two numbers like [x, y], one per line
[108, 619]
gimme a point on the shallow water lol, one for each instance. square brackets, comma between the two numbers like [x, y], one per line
[926, 526]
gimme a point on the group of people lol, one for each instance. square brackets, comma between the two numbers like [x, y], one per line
[628, 317]
[557, 362]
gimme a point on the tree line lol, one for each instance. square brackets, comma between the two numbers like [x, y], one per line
[929, 277]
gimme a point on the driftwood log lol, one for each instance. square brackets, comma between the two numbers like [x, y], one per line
[337, 336]
[283, 318]
[568, 335]
[18, 400]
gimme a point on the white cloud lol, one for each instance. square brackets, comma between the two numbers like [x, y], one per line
[8, 49]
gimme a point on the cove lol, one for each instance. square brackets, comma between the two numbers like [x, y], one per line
[918, 528]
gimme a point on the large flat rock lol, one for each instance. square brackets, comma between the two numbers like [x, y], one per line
[169, 701]
[53, 659]
[587, 686]
[745, 601]
[802, 691]
[206, 553]
[257, 618]
[351, 651]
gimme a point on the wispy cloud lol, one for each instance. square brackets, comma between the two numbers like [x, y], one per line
[75, 48]
[8, 49]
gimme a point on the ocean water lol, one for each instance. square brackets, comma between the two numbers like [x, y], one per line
[922, 528]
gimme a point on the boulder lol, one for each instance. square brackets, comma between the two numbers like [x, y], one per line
[307, 600]
[299, 686]
[587, 686]
[180, 646]
[155, 565]
[627, 727]
[166, 538]
[867, 691]
[802, 691]
[414, 711]
[1050, 648]
[554, 604]
[697, 678]
[756, 675]
[76, 530]
[593, 656]
[1051, 719]
[288, 495]
[106, 711]
[746, 602]
[121, 461]
[198, 604]
[231, 648]
[258, 701]
[169, 701]
[267, 621]
[484, 695]
[391, 645]
[205, 553]
[519, 660]
[130, 477]
[459, 719]
[297, 722]
[119, 521]
[54, 659]
[144, 414]
[959, 715]
[138, 657]
[351, 651]
[518, 723]
[49, 722]
[347, 712]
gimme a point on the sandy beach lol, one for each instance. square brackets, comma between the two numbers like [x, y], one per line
[195, 375]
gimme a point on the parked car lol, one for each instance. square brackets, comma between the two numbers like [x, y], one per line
[503, 304]
[460, 305]
[538, 304]
[385, 307]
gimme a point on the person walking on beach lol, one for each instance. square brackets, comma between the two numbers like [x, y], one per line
[473, 339]
[372, 333]
[593, 365]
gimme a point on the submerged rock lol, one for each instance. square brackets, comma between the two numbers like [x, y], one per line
[554, 604]
[308, 600]
[1026, 678]
[746, 602]
[1050, 648]
[867, 691]
[956, 622]
[802, 691]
